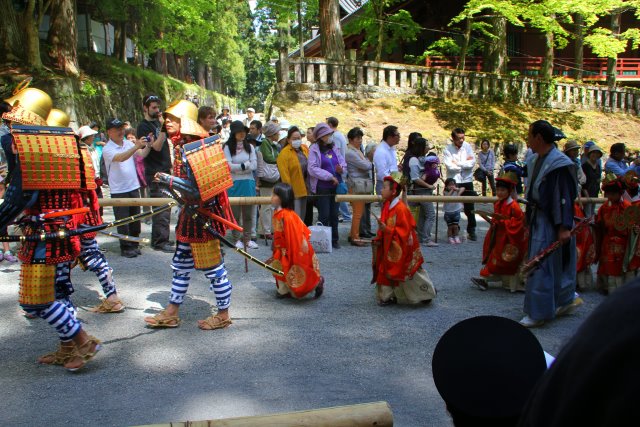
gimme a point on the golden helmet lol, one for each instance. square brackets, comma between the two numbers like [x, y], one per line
[33, 100]
[58, 118]
[182, 109]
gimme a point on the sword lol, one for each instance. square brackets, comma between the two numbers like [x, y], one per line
[534, 262]
[64, 233]
[209, 229]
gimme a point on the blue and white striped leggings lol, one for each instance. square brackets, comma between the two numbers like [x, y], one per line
[182, 265]
[95, 261]
[61, 314]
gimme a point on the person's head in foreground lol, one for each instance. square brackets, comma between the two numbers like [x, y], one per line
[485, 369]
[392, 186]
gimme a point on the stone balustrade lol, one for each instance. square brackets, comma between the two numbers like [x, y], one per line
[318, 78]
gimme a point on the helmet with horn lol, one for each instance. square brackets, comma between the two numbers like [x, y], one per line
[31, 106]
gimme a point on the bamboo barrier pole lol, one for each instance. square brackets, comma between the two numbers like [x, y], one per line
[238, 201]
[366, 414]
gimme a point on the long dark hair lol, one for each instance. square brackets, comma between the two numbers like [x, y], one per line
[284, 192]
[417, 149]
[233, 145]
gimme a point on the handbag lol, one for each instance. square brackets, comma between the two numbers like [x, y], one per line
[479, 175]
[320, 238]
[361, 185]
[266, 171]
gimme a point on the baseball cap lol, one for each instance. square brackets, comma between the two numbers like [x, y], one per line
[114, 123]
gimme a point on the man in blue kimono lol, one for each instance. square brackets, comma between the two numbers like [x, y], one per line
[550, 289]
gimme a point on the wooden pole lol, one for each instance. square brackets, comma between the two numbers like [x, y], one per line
[368, 414]
[239, 201]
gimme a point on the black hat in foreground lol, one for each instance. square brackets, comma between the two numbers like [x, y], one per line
[486, 367]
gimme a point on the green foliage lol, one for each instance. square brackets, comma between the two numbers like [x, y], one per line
[445, 46]
[605, 44]
[88, 89]
[382, 30]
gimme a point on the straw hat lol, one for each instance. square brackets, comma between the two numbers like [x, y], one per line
[570, 145]
[58, 118]
[182, 109]
[192, 128]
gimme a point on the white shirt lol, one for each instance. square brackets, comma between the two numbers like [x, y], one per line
[122, 175]
[385, 160]
[459, 162]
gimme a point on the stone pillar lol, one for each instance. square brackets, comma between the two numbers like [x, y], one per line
[311, 73]
[403, 78]
[392, 78]
[414, 80]
[382, 81]
[371, 77]
[323, 73]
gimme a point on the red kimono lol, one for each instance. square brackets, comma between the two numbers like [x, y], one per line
[396, 253]
[506, 242]
[634, 253]
[614, 237]
[293, 254]
[585, 244]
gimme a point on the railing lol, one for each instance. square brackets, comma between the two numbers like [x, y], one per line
[318, 78]
[595, 69]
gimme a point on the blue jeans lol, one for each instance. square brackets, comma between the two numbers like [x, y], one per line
[344, 211]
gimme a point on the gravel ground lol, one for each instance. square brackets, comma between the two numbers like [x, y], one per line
[278, 356]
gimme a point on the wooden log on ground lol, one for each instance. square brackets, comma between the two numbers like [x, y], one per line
[367, 414]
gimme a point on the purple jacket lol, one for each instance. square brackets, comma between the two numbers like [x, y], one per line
[315, 171]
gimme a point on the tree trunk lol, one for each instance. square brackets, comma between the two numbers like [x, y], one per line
[201, 74]
[87, 24]
[63, 37]
[579, 48]
[547, 61]
[465, 44]
[120, 41]
[11, 42]
[331, 40]
[171, 65]
[32, 40]
[186, 69]
[496, 50]
[161, 65]
[209, 72]
[300, 30]
[612, 62]
[378, 12]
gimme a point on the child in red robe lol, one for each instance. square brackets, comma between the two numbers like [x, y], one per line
[397, 260]
[585, 252]
[506, 242]
[292, 251]
[613, 234]
[631, 266]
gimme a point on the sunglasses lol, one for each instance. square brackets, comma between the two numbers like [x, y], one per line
[151, 99]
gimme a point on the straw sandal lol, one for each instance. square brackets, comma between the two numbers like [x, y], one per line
[58, 357]
[84, 353]
[107, 306]
[213, 322]
[162, 320]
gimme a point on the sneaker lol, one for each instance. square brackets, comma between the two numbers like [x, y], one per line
[252, 245]
[239, 244]
[457, 240]
[431, 244]
[452, 241]
[8, 256]
[528, 322]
